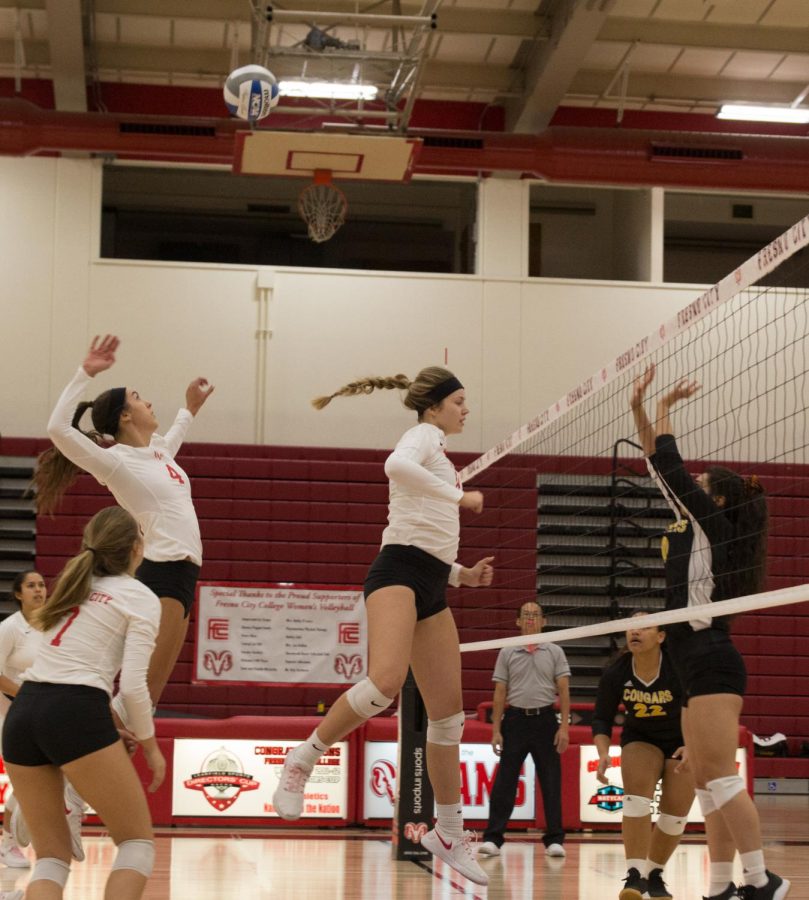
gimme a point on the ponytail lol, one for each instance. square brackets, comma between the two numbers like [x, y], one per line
[54, 472]
[364, 386]
[421, 392]
[106, 549]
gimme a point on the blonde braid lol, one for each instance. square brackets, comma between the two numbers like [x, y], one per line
[364, 386]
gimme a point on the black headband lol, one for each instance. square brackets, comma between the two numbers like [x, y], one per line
[113, 418]
[440, 391]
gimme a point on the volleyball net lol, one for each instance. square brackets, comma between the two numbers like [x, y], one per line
[586, 543]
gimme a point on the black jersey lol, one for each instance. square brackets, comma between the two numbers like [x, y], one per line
[694, 547]
[652, 710]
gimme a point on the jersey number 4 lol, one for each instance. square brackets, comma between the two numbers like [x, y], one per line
[57, 641]
[174, 474]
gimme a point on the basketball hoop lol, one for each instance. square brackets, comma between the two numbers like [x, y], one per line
[322, 206]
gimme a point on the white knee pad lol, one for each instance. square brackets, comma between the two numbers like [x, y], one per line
[635, 807]
[673, 825]
[446, 732]
[50, 869]
[706, 803]
[723, 790]
[366, 700]
[137, 855]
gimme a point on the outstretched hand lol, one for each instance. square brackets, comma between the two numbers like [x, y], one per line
[479, 575]
[196, 394]
[681, 391]
[640, 386]
[101, 354]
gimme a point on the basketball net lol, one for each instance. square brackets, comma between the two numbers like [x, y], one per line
[322, 206]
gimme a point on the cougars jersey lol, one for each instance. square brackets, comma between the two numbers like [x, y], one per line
[424, 492]
[694, 547]
[652, 708]
[146, 481]
[113, 630]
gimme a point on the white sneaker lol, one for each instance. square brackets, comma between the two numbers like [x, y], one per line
[488, 848]
[288, 797]
[13, 857]
[456, 853]
[74, 810]
[555, 850]
[17, 825]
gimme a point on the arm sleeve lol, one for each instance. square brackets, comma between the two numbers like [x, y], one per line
[141, 633]
[669, 465]
[561, 665]
[455, 575]
[608, 698]
[78, 448]
[175, 436]
[501, 668]
[405, 466]
[6, 642]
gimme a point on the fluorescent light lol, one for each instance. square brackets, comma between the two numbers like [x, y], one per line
[329, 90]
[749, 113]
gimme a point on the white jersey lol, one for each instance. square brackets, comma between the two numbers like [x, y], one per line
[146, 481]
[113, 631]
[424, 493]
[19, 642]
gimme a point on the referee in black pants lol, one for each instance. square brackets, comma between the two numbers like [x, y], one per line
[529, 679]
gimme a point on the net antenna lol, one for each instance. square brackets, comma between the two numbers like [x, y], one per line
[323, 206]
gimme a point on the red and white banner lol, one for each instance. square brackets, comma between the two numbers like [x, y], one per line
[478, 768]
[749, 272]
[604, 802]
[223, 778]
[279, 634]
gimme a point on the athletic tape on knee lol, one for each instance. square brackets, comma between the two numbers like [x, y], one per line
[706, 803]
[673, 825]
[137, 855]
[366, 700]
[50, 869]
[446, 732]
[635, 807]
[723, 790]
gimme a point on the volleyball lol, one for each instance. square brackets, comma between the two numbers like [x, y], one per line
[251, 92]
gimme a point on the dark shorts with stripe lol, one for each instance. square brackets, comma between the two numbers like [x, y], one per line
[176, 579]
[404, 566]
[666, 745]
[53, 724]
[707, 663]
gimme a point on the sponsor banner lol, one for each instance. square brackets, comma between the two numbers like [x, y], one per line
[748, 273]
[236, 778]
[271, 634]
[603, 802]
[478, 768]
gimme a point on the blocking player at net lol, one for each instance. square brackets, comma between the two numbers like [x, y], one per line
[409, 623]
[715, 550]
[98, 621]
[644, 680]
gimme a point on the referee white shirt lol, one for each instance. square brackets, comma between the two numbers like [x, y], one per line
[424, 494]
[146, 481]
[113, 631]
[530, 677]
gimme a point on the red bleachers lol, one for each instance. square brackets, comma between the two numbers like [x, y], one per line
[316, 515]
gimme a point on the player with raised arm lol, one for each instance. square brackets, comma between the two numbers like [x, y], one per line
[715, 550]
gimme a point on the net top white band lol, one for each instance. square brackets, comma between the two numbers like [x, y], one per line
[762, 263]
[753, 603]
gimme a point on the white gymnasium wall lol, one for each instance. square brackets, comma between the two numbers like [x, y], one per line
[517, 344]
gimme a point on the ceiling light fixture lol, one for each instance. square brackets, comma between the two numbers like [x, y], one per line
[328, 90]
[750, 113]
